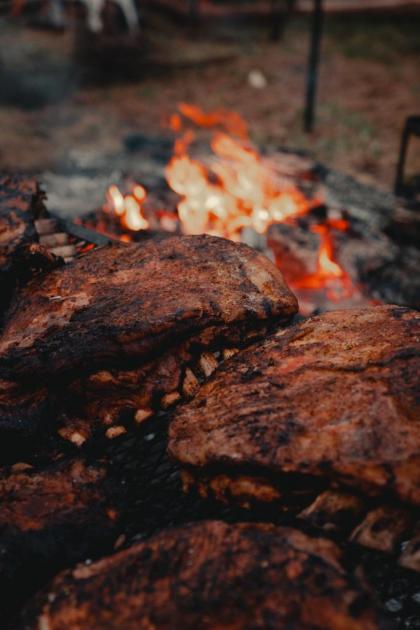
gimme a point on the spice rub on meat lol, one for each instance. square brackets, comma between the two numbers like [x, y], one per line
[50, 518]
[135, 327]
[209, 575]
[333, 400]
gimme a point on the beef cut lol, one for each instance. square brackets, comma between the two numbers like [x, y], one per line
[51, 517]
[127, 302]
[129, 329]
[332, 401]
[209, 575]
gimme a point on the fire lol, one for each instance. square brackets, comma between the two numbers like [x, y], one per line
[236, 188]
[228, 120]
[128, 207]
[328, 271]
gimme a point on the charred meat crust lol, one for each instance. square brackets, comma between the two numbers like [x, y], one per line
[50, 518]
[230, 313]
[334, 398]
[127, 302]
[209, 575]
[111, 401]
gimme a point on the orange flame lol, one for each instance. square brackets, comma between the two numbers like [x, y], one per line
[231, 121]
[328, 271]
[236, 190]
[128, 207]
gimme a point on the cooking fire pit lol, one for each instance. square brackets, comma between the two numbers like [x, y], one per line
[85, 470]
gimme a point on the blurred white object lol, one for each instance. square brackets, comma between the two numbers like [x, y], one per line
[56, 13]
[257, 79]
[94, 14]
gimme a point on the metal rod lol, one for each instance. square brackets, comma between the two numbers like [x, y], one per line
[399, 180]
[79, 231]
[312, 73]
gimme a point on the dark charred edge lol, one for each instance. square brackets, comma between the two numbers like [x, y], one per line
[30, 559]
[163, 342]
[290, 486]
[149, 492]
[37, 429]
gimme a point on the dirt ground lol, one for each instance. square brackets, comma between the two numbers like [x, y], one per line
[60, 95]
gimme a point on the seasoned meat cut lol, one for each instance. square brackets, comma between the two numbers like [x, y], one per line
[129, 329]
[126, 302]
[51, 517]
[209, 575]
[333, 400]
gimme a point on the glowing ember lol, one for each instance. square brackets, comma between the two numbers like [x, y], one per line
[328, 271]
[128, 207]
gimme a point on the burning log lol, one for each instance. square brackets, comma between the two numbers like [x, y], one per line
[210, 573]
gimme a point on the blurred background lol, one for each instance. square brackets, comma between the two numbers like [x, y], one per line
[82, 82]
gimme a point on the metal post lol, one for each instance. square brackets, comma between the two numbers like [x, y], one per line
[312, 73]
[411, 128]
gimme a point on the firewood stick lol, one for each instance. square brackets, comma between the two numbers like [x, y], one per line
[46, 226]
[64, 250]
[52, 240]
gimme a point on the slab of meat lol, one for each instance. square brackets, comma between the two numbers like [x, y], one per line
[209, 575]
[127, 302]
[127, 330]
[331, 401]
[50, 518]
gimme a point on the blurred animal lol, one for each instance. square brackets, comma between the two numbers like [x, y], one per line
[94, 9]
[94, 14]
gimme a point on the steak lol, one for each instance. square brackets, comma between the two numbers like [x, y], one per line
[209, 575]
[128, 329]
[50, 518]
[127, 302]
[332, 401]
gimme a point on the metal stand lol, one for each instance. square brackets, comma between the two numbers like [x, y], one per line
[312, 74]
[411, 128]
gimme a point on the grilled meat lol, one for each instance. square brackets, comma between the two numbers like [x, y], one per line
[209, 575]
[127, 330]
[49, 519]
[331, 401]
[127, 302]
